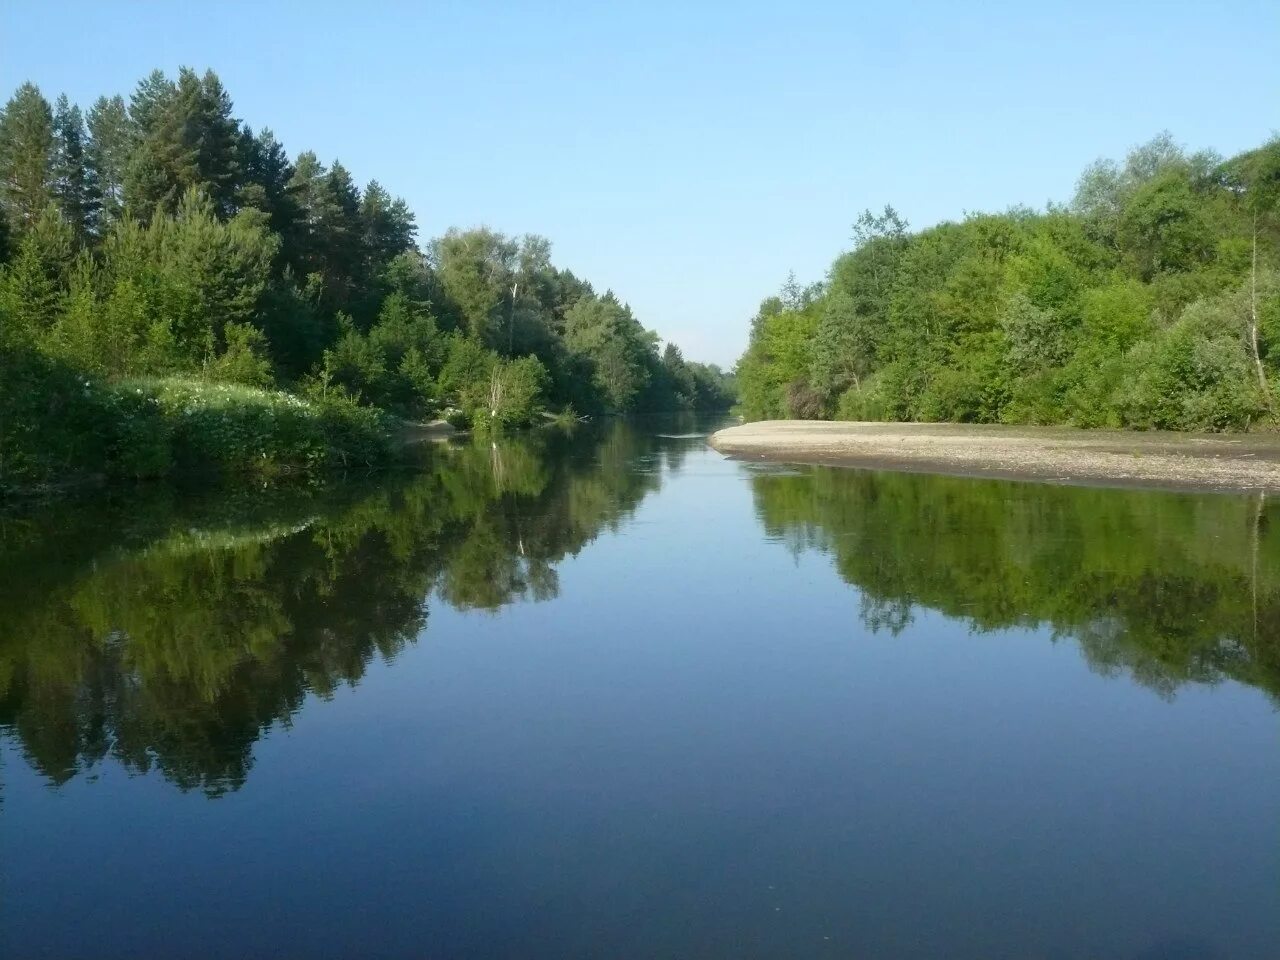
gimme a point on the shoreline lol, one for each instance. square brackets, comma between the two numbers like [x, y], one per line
[1171, 461]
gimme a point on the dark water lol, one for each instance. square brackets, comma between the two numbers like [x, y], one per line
[615, 696]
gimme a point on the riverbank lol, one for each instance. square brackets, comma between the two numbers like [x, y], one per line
[1055, 454]
[86, 433]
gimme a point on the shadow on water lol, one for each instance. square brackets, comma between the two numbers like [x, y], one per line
[169, 629]
[1168, 588]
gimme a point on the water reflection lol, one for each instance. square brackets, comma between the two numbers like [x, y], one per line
[1168, 588]
[169, 631]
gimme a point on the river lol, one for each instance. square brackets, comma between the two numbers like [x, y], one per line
[614, 695]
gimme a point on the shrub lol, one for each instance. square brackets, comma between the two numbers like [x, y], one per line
[53, 422]
[244, 360]
[511, 396]
[804, 402]
[196, 427]
[1195, 375]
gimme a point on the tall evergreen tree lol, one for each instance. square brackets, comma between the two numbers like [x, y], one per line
[217, 135]
[190, 140]
[149, 101]
[72, 187]
[388, 224]
[266, 177]
[26, 157]
[306, 187]
[159, 167]
[111, 139]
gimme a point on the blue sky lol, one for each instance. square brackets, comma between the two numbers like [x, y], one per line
[689, 155]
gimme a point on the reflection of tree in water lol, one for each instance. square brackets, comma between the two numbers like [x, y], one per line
[170, 634]
[1170, 588]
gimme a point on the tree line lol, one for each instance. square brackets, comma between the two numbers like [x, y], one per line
[161, 237]
[1151, 300]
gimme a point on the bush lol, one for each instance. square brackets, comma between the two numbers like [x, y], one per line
[805, 403]
[510, 397]
[952, 394]
[244, 360]
[1195, 375]
[57, 427]
[53, 422]
[242, 428]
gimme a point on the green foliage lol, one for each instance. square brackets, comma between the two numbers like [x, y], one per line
[225, 427]
[73, 189]
[164, 238]
[26, 157]
[516, 392]
[107, 157]
[1148, 304]
[1195, 374]
[244, 360]
[778, 357]
[51, 419]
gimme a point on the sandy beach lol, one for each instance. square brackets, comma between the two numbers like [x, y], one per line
[1057, 454]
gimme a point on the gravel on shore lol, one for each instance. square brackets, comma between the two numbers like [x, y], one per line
[1061, 454]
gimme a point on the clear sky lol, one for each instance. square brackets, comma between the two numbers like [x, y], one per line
[689, 155]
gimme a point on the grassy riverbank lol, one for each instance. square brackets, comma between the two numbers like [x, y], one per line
[85, 432]
[1062, 454]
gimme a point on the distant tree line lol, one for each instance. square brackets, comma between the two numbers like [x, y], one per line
[1152, 300]
[161, 237]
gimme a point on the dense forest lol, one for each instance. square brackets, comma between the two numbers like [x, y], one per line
[176, 292]
[1151, 300]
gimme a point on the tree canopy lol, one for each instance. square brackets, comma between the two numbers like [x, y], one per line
[160, 236]
[1151, 300]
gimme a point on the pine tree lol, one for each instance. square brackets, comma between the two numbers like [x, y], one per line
[190, 140]
[72, 188]
[149, 101]
[266, 177]
[34, 285]
[306, 187]
[217, 142]
[333, 246]
[26, 157]
[111, 139]
[388, 226]
[161, 165]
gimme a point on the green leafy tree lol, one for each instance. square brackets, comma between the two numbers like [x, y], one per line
[1162, 227]
[605, 331]
[844, 347]
[477, 274]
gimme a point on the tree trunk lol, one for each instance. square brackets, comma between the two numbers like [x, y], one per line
[1253, 319]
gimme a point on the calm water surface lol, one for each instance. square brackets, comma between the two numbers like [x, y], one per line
[616, 696]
